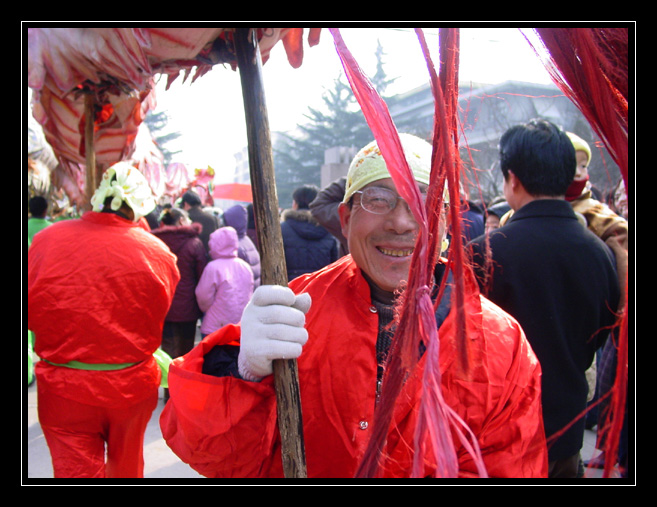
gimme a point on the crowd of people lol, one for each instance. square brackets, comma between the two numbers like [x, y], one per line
[108, 293]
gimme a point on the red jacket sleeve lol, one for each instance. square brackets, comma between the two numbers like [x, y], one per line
[220, 426]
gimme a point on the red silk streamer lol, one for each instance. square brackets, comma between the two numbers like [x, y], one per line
[590, 65]
[417, 320]
[446, 163]
[445, 149]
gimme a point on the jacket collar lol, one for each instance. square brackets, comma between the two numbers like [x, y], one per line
[543, 208]
[108, 218]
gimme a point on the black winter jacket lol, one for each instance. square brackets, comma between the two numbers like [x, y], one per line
[559, 281]
[308, 245]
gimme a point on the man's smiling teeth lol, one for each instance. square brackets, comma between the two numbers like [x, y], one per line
[396, 253]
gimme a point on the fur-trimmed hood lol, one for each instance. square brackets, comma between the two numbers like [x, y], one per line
[176, 236]
[304, 223]
[303, 215]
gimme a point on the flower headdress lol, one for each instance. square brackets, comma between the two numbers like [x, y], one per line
[124, 183]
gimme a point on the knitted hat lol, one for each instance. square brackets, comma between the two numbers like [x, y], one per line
[579, 144]
[124, 183]
[368, 164]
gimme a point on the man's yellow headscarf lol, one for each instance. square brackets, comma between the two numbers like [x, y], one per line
[368, 164]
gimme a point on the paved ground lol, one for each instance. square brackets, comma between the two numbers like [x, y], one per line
[160, 462]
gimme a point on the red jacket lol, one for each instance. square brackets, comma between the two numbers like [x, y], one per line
[98, 291]
[185, 243]
[225, 427]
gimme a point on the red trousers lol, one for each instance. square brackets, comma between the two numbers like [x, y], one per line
[77, 435]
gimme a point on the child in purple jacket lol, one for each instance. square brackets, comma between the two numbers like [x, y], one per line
[226, 285]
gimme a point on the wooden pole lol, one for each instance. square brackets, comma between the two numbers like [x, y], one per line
[89, 151]
[274, 272]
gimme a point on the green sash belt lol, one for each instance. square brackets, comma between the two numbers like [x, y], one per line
[162, 358]
[77, 365]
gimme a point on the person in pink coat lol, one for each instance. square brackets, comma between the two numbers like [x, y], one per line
[226, 284]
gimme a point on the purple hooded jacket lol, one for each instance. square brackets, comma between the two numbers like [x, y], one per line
[237, 218]
[226, 285]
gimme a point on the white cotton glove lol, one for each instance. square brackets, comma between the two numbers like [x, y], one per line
[272, 328]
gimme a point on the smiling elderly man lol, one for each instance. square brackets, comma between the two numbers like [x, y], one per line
[223, 417]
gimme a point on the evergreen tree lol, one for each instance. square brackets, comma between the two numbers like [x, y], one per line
[299, 156]
[156, 123]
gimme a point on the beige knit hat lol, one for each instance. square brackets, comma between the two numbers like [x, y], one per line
[579, 144]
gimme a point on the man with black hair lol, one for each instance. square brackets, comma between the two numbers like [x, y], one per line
[38, 207]
[554, 276]
[191, 203]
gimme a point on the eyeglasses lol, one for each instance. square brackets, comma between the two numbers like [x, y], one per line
[380, 200]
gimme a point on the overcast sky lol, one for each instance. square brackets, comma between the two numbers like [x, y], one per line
[209, 113]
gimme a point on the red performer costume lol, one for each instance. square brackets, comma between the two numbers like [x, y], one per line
[98, 291]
